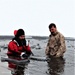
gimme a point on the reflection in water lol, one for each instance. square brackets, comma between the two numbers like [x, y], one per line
[17, 69]
[56, 66]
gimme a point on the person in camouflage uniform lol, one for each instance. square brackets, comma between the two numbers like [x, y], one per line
[56, 44]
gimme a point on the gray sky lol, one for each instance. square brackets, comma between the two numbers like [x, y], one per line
[34, 16]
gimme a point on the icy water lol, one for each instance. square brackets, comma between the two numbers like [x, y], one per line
[65, 66]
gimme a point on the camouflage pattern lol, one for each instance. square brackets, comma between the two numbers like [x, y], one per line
[56, 45]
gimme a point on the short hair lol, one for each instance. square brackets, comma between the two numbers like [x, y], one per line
[52, 25]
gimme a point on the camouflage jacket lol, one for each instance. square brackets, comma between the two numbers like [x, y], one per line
[56, 45]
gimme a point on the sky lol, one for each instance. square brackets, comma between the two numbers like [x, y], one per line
[34, 16]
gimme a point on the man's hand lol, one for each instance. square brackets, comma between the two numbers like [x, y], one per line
[58, 54]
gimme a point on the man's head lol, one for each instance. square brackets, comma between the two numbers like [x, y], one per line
[52, 28]
[20, 34]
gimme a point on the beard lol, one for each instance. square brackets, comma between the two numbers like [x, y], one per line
[52, 33]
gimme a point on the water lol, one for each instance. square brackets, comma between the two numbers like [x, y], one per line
[65, 66]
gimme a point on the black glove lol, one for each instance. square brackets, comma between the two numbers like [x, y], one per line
[25, 56]
[28, 53]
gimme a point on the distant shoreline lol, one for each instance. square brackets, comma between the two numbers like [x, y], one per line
[33, 37]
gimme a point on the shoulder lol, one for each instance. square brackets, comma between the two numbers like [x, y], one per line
[49, 37]
[61, 35]
[12, 42]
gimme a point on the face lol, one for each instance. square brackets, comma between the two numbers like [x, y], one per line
[53, 29]
[22, 37]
